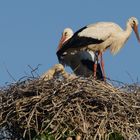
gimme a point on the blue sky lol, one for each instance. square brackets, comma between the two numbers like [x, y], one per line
[30, 32]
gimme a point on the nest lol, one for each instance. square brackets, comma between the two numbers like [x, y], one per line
[64, 107]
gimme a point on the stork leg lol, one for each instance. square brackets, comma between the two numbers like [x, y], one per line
[102, 65]
[95, 69]
[95, 65]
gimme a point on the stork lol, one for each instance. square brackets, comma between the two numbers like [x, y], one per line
[100, 36]
[82, 62]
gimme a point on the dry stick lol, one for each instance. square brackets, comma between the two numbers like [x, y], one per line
[34, 70]
[138, 107]
[10, 74]
[122, 99]
[98, 133]
[120, 106]
[29, 119]
[36, 121]
[76, 68]
[63, 132]
[84, 124]
[52, 119]
[107, 87]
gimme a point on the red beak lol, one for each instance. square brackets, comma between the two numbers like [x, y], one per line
[135, 28]
[62, 40]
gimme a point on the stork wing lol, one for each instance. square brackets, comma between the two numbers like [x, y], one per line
[88, 64]
[91, 34]
[100, 30]
[76, 42]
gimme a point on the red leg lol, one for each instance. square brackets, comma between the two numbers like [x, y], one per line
[94, 70]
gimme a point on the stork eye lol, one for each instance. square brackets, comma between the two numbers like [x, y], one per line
[65, 33]
[134, 22]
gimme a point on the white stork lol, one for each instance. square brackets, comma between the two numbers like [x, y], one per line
[82, 62]
[100, 36]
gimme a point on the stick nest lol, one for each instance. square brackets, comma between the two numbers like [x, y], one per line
[64, 106]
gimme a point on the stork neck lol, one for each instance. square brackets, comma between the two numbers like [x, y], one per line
[128, 30]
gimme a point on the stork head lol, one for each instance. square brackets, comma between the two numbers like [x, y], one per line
[67, 34]
[134, 24]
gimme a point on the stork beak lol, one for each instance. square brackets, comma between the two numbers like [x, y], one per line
[62, 40]
[135, 28]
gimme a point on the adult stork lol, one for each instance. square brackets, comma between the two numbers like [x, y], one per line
[82, 62]
[100, 36]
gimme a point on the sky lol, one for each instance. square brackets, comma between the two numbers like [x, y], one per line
[30, 31]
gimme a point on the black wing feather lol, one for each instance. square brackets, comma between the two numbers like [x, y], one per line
[89, 64]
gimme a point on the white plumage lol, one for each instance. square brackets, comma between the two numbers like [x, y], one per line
[113, 35]
[100, 30]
